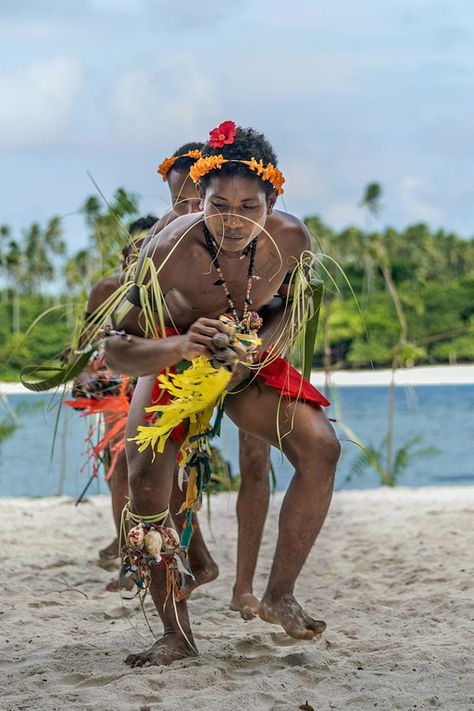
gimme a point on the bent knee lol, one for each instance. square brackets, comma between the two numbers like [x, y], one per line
[328, 446]
[140, 480]
[322, 447]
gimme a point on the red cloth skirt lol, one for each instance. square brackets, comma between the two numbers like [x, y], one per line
[286, 380]
[278, 374]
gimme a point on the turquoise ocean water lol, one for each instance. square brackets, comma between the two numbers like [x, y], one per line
[442, 415]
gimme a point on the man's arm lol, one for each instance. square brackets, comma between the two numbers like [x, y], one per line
[276, 314]
[138, 356]
[135, 354]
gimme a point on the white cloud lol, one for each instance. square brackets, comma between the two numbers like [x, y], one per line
[37, 102]
[174, 103]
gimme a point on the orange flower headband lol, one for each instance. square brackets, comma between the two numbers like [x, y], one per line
[166, 165]
[265, 172]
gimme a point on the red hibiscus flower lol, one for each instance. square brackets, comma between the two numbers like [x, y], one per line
[225, 133]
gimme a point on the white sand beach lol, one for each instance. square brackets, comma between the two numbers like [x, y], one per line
[419, 375]
[391, 574]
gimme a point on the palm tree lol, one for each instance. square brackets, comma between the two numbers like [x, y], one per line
[108, 233]
[371, 199]
[77, 271]
[14, 264]
[376, 250]
[53, 234]
[5, 236]
[37, 264]
[41, 247]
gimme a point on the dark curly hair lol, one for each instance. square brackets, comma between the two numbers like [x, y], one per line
[142, 224]
[247, 144]
[182, 165]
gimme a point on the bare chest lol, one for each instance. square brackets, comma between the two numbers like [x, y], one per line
[198, 293]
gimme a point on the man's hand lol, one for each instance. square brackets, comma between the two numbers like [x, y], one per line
[240, 370]
[198, 340]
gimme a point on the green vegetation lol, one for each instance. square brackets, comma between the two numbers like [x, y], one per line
[411, 291]
[432, 274]
[44, 287]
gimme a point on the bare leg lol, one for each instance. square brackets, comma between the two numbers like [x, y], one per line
[252, 507]
[118, 485]
[150, 491]
[202, 563]
[119, 489]
[173, 644]
[309, 442]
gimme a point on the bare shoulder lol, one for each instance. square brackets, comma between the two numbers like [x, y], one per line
[169, 245]
[159, 225]
[163, 222]
[101, 291]
[289, 232]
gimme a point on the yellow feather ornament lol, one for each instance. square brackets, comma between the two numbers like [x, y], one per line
[196, 391]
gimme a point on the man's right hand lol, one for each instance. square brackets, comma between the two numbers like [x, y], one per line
[198, 339]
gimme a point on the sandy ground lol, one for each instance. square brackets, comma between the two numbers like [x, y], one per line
[420, 375]
[391, 574]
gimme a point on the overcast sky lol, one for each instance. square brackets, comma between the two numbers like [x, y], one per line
[348, 91]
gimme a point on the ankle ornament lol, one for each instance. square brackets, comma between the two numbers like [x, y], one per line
[148, 543]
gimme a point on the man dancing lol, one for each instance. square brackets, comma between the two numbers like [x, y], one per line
[222, 261]
[254, 454]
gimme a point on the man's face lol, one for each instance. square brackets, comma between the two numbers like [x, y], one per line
[184, 197]
[235, 210]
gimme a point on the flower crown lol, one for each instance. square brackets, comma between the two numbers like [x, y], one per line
[166, 165]
[265, 172]
[225, 134]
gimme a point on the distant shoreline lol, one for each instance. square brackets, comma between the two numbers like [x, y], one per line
[419, 375]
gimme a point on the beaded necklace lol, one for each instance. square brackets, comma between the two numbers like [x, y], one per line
[250, 251]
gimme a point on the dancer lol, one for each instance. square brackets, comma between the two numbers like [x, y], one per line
[207, 265]
[254, 454]
[96, 390]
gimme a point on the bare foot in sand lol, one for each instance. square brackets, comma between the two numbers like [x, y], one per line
[288, 613]
[201, 577]
[246, 603]
[168, 649]
[111, 551]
